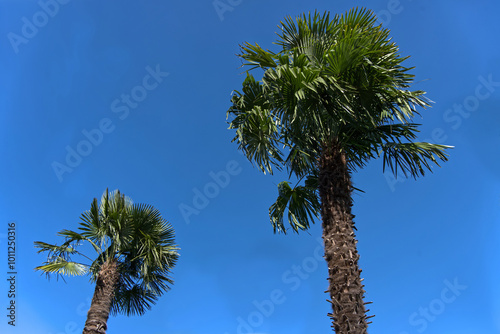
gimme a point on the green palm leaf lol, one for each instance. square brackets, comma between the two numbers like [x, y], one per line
[60, 266]
[412, 158]
[44, 247]
[301, 202]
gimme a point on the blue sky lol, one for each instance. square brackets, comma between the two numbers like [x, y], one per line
[139, 90]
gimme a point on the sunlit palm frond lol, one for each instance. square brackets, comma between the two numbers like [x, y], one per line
[255, 56]
[93, 225]
[256, 130]
[60, 266]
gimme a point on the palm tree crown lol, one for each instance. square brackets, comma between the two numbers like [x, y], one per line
[134, 237]
[339, 80]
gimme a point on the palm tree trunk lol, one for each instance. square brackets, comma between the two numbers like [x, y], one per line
[98, 314]
[346, 289]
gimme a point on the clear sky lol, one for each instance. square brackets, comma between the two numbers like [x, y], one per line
[132, 95]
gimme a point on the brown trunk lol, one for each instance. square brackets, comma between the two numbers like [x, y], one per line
[346, 289]
[98, 314]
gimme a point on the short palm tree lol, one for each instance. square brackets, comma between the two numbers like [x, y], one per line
[334, 96]
[135, 253]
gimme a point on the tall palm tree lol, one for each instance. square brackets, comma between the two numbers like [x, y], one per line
[135, 253]
[334, 96]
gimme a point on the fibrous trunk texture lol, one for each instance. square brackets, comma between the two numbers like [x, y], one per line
[98, 314]
[346, 289]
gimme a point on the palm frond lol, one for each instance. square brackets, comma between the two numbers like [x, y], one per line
[44, 247]
[302, 204]
[257, 136]
[412, 159]
[255, 56]
[60, 266]
[133, 301]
